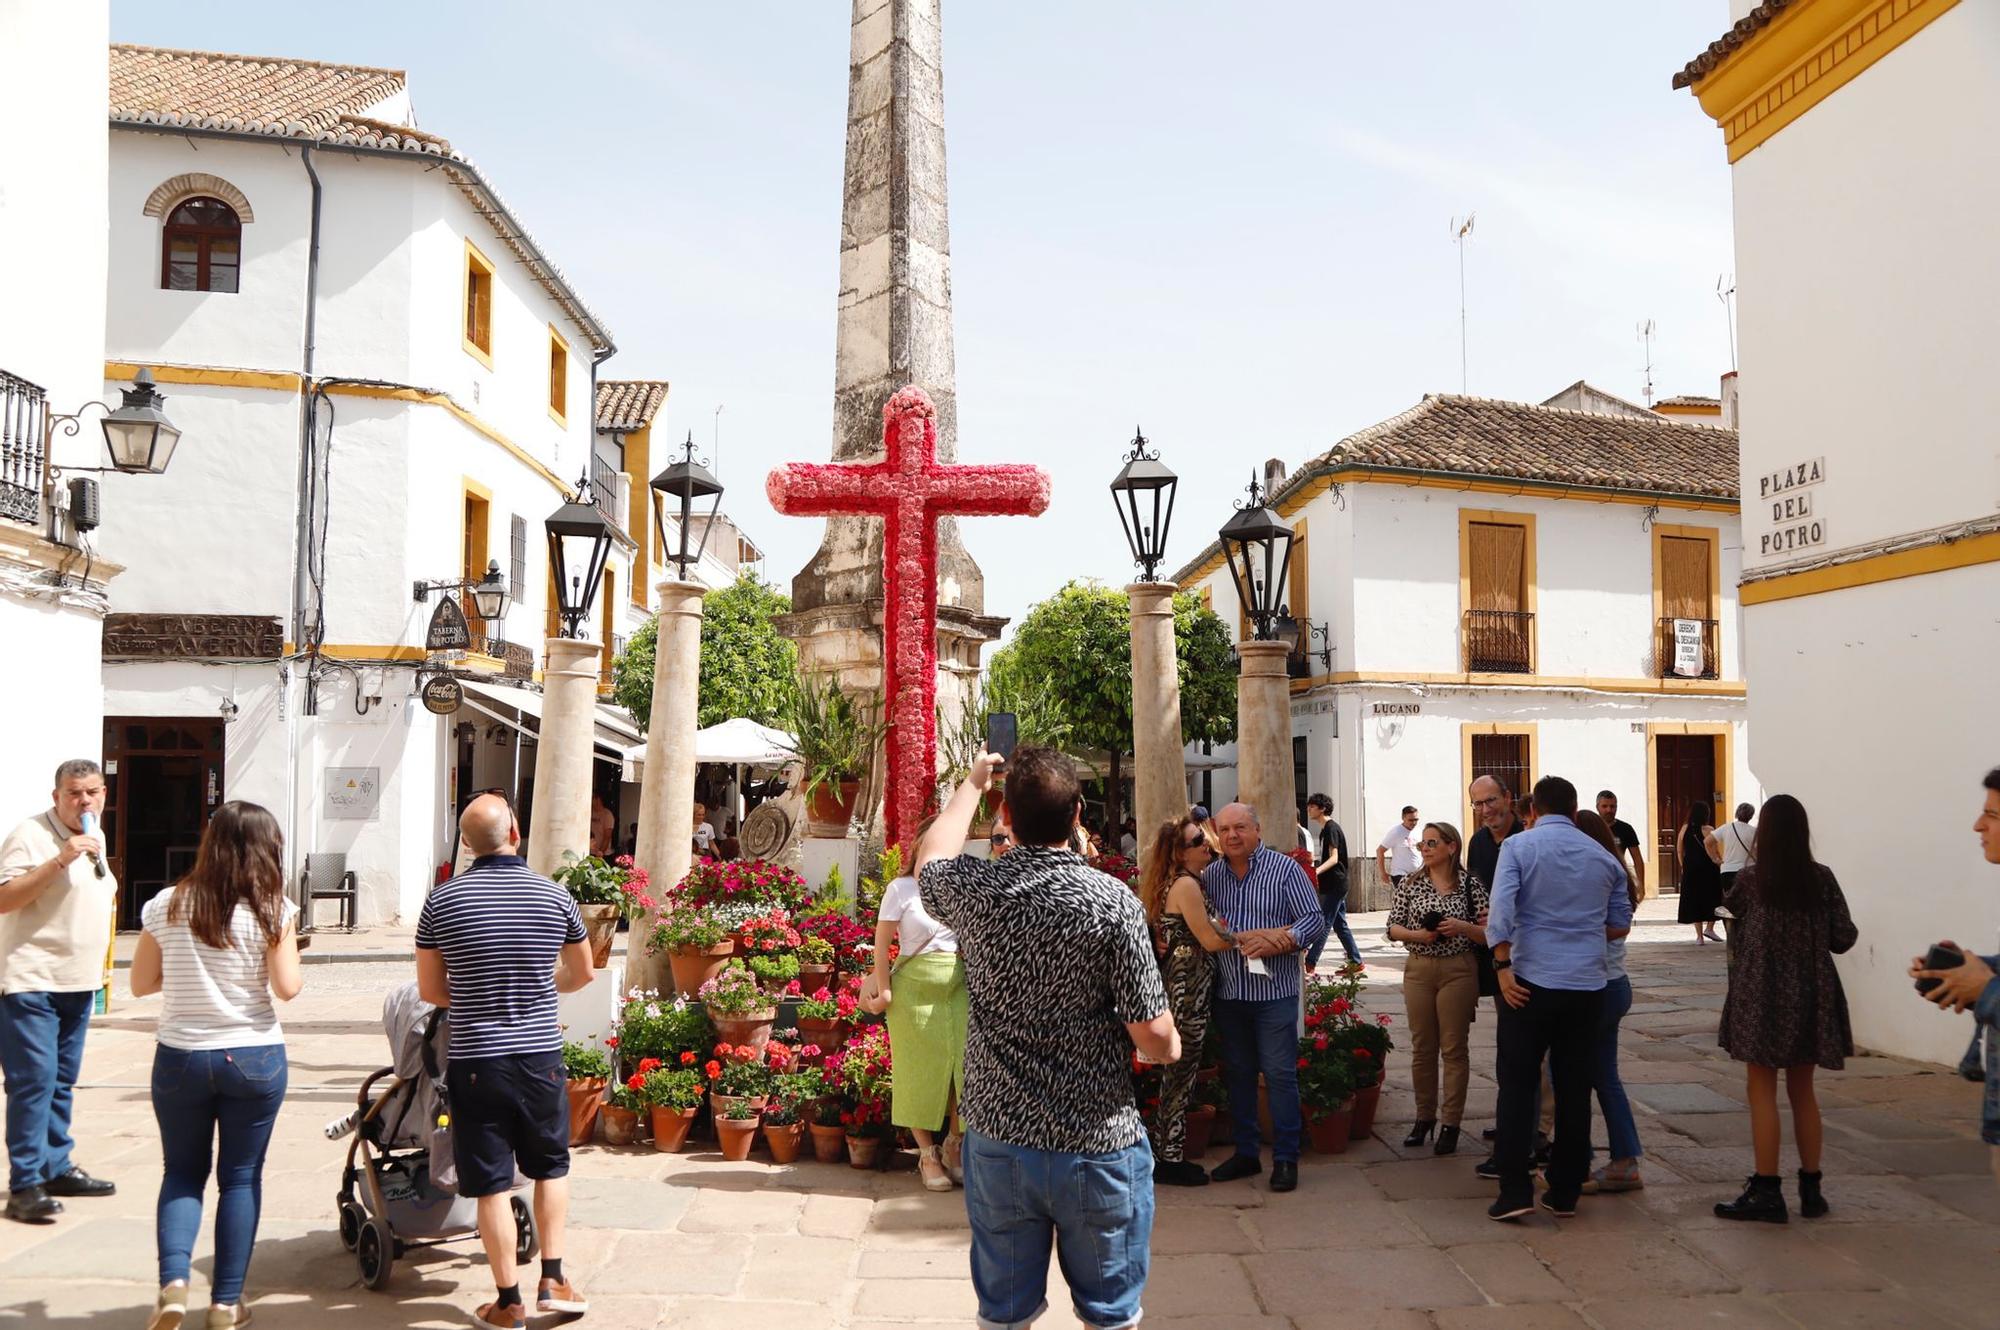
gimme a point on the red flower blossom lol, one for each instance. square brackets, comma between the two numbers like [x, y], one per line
[649, 1064]
[1363, 1053]
[714, 1069]
[1304, 1063]
[611, 1042]
[1383, 1020]
[1320, 1043]
[687, 1057]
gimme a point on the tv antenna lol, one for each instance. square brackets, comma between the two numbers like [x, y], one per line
[715, 442]
[1646, 331]
[1460, 232]
[1725, 291]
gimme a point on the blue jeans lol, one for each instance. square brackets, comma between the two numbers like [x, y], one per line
[1261, 1036]
[1619, 1127]
[1334, 909]
[239, 1091]
[1097, 1208]
[41, 1052]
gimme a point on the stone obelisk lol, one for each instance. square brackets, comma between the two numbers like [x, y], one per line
[894, 329]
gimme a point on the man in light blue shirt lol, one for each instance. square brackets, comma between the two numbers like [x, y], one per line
[1558, 898]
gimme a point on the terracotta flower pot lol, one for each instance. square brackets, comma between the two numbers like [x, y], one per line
[784, 1140]
[736, 1137]
[812, 978]
[753, 1029]
[720, 1104]
[1365, 1103]
[600, 926]
[586, 1098]
[1200, 1127]
[829, 1035]
[1330, 1128]
[695, 966]
[831, 808]
[864, 1151]
[621, 1125]
[670, 1127]
[829, 1143]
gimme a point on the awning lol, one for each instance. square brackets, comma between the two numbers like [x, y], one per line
[614, 730]
[732, 743]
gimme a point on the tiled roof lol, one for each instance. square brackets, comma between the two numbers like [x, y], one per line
[209, 92]
[1752, 23]
[624, 405]
[1688, 399]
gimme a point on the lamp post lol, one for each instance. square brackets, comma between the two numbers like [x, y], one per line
[666, 800]
[1143, 493]
[579, 543]
[1258, 546]
[137, 433]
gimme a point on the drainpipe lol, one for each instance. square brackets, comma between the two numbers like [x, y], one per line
[302, 543]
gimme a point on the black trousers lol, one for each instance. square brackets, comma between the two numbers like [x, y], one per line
[1559, 1024]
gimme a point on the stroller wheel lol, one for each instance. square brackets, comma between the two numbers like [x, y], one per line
[375, 1251]
[527, 1239]
[350, 1224]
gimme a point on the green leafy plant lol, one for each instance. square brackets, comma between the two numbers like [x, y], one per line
[693, 926]
[747, 666]
[678, 1088]
[734, 992]
[888, 867]
[775, 971]
[581, 1062]
[832, 895]
[741, 1113]
[594, 881]
[650, 1026]
[815, 951]
[732, 1074]
[834, 737]
[828, 1112]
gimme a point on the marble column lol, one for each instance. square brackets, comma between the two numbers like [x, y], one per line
[563, 753]
[1264, 740]
[1159, 771]
[666, 800]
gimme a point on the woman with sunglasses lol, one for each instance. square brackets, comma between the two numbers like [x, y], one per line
[1171, 892]
[1435, 916]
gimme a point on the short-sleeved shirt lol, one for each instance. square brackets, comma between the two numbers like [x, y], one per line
[1058, 961]
[1332, 840]
[57, 942]
[1274, 892]
[1417, 898]
[1736, 838]
[215, 997]
[500, 926]
[704, 836]
[916, 931]
[1623, 834]
[1482, 852]
[1401, 843]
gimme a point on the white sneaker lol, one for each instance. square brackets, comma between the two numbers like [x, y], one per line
[222, 1316]
[170, 1308]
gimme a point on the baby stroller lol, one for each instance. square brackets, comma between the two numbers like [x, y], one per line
[399, 1189]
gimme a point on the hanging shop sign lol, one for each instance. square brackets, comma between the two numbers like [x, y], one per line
[448, 630]
[442, 694]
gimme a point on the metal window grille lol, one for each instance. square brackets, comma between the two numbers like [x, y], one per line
[24, 413]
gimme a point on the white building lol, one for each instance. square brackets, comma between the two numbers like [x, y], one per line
[1866, 187]
[1489, 586]
[382, 380]
[52, 591]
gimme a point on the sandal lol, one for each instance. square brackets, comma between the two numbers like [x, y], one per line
[931, 1167]
[954, 1157]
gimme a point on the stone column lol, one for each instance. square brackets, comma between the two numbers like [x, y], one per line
[1264, 740]
[1159, 771]
[563, 754]
[666, 800]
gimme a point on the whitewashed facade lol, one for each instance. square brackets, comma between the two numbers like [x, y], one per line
[1869, 605]
[1406, 703]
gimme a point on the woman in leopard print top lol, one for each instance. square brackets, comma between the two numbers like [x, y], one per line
[1436, 916]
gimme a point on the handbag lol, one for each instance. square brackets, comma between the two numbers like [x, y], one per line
[1482, 955]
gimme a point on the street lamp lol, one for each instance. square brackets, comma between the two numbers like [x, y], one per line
[579, 543]
[137, 433]
[685, 482]
[491, 595]
[1143, 493]
[1259, 548]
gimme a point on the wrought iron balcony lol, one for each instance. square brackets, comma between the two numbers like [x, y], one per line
[611, 491]
[1703, 658]
[1499, 642]
[24, 414]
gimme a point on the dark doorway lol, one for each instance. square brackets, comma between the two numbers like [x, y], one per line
[1684, 777]
[1301, 789]
[162, 781]
[1503, 756]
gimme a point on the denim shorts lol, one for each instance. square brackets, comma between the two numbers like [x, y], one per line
[507, 1111]
[1096, 1209]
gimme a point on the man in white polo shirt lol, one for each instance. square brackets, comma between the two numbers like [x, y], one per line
[56, 899]
[1396, 857]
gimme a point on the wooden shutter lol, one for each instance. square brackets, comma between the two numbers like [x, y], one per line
[1684, 578]
[1498, 566]
[1297, 589]
[517, 549]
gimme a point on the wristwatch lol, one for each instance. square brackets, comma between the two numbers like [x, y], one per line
[1502, 965]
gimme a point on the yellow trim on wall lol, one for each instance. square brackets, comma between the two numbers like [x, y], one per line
[1469, 821]
[368, 652]
[1941, 557]
[444, 400]
[1812, 50]
[558, 377]
[476, 261]
[1690, 687]
[121, 371]
[1725, 756]
[1497, 517]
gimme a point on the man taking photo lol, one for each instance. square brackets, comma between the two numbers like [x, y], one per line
[1063, 985]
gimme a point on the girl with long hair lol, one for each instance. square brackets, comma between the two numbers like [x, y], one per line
[1786, 1009]
[1170, 889]
[1621, 1129]
[1436, 916]
[219, 944]
[1701, 879]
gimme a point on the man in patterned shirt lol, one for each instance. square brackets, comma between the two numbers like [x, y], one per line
[1063, 984]
[1274, 912]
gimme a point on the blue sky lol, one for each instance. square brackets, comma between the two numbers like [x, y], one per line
[1229, 224]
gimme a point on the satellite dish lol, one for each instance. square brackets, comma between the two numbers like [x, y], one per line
[766, 831]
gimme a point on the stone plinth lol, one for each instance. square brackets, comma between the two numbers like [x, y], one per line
[589, 1016]
[1264, 739]
[818, 854]
[1159, 771]
[563, 754]
[666, 801]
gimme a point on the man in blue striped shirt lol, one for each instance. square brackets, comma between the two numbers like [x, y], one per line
[1273, 909]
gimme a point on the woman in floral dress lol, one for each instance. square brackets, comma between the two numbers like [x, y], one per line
[1171, 893]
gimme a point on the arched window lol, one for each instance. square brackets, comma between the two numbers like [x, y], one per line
[201, 247]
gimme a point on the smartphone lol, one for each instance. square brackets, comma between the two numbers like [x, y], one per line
[1002, 733]
[1940, 957]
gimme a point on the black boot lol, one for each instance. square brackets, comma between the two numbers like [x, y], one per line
[1812, 1205]
[1419, 1133]
[1447, 1141]
[1763, 1199]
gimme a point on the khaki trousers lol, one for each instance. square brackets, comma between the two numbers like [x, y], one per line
[1441, 994]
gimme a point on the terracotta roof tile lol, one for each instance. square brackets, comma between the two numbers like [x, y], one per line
[1752, 23]
[625, 405]
[1688, 399]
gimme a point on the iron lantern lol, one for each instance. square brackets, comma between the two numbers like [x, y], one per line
[1143, 493]
[1258, 546]
[685, 483]
[138, 433]
[579, 543]
[490, 594]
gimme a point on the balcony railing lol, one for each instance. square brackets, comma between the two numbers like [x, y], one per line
[1499, 642]
[24, 413]
[611, 491]
[1703, 650]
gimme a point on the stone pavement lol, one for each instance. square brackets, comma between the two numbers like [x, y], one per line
[1370, 1239]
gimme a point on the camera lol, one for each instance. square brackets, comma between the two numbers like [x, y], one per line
[1429, 923]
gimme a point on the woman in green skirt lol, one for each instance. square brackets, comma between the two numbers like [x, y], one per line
[925, 999]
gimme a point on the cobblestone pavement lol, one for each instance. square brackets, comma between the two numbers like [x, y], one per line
[1370, 1239]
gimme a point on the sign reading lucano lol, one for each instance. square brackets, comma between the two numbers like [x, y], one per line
[1786, 491]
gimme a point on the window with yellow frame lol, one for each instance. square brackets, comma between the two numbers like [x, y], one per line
[477, 327]
[558, 378]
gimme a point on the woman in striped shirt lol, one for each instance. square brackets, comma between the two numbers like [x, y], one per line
[219, 946]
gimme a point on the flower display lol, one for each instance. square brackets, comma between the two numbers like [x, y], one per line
[825, 1005]
[734, 992]
[863, 1070]
[769, 932]
[1342, 1048]
[594, 881]
[651, 1026]
[1118, 866]
[736, 1071]
[756, 882]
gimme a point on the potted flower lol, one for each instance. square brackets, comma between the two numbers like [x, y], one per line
[775, 973]
[863, 1070]
[815, 963]
[826, 1017]
[742, 1012]
[828, 1132]
[736, 1130]
[673, 1097]
[650, 1026]
[784, 1127]
[836, 742]
[697, 941]
[587, 1070]
[604, 892]
[1118, 866]
[625, 1113]
[736, 1074]
[1326, 1091]
[769, 933]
